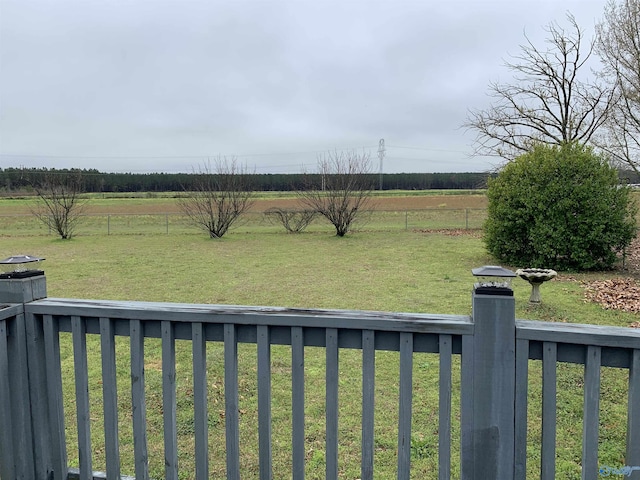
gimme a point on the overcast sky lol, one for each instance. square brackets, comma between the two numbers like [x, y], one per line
[162, 85]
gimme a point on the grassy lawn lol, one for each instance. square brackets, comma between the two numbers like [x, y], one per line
[394, 270]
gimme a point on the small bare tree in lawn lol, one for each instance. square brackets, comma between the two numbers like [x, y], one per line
[221, 194]
[60, 204]
[293, 220]
[341, 190]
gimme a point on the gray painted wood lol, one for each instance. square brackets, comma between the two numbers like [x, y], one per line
[332, 373]
[306, 327]
[368, 399]
[82, 397]
[405, 400]
[444, 409]
[249, 315]
[138, 402]
[591, 419]
[110, 398]
[549, 382]
[494, 386]
[169, 403]
[200, 407]
[74, 474]
[580, 334]
[264, 402]
[38, 403]
[231, 402]
[7, 467]
[633, 416]
[20, 396]
[54, 395]
[297, 402]
[467, 451]
[521, 400]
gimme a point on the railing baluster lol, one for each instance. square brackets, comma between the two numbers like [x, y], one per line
[169, 401]
[548, 454]
[264, 401]
[297, 401]
[521, 398]
[200, 414]
[78, 329]
[368, 399]
[590, 422]
[110, 398]
[633, 405]
[54, 394]
[7, 469]
[406, 393]
[332, 374]
[138, 402]
[444, 408]
[467, 453]
[231, 401]
[19, 392]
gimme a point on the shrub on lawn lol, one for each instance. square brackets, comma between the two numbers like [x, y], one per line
[559, 207]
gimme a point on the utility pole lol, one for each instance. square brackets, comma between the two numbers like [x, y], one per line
[381, 157]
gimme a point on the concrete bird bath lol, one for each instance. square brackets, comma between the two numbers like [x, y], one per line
[536, 277]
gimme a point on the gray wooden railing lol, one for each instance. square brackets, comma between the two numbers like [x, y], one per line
[495, 351]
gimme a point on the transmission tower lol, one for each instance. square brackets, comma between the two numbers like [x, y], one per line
[381, 157]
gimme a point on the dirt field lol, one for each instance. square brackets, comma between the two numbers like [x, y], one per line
[397, 203]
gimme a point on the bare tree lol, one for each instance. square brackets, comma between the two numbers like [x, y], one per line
[60, 204]
[549, 101]
[221, 194]
[341, 190]
[618, 45]
[293, 220]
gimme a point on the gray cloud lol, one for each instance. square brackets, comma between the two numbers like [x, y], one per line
[158, 85]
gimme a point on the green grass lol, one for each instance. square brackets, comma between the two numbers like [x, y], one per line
[254, 222]
[374, 270]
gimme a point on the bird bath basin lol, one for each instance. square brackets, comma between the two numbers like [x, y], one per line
[536, 277]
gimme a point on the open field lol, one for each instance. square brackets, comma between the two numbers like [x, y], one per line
[166, 203]
[397, 270]
[161, 215]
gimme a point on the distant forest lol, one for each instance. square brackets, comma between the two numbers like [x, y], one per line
[21, 180]
[14, 180]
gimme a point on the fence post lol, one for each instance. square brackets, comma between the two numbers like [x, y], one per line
[489, 452]
[32, 432]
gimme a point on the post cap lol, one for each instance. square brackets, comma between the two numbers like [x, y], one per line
[492, 271]
[16, 259]
[15, 267]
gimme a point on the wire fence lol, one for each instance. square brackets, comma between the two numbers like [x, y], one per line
[253, 222]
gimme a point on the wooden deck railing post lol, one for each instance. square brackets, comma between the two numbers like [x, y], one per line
[33, 455]
[490, 420]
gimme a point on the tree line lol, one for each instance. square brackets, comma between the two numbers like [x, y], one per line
[21, 180]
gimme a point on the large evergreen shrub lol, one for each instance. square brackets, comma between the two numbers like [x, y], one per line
[559, 207]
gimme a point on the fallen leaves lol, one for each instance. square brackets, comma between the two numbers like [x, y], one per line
[615, 294]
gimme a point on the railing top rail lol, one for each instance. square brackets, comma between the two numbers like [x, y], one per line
[256, 315]
[9, 310]
[581, 334]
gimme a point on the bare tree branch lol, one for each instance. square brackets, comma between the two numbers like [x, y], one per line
[293, 220]
[547, 102]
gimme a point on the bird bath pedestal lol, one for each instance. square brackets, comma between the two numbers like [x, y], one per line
[536, 277]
